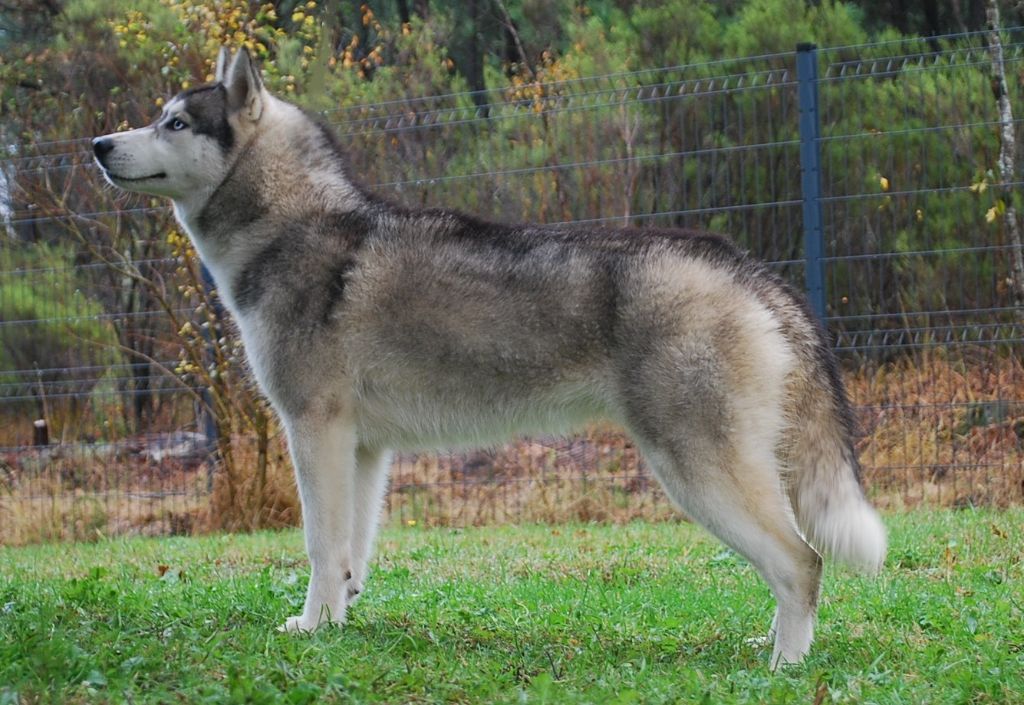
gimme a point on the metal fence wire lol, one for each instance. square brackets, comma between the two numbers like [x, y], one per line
[866, 173]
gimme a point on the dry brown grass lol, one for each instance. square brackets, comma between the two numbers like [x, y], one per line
[943, 431]
[595, 477]
[79, 498]
[935, 430]
[252, 499]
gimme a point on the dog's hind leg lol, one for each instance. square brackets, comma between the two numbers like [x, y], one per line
[371, 481]
[323, 451]
[742, 503]
[704, 394]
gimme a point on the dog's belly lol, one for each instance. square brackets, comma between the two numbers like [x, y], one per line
[433, 415]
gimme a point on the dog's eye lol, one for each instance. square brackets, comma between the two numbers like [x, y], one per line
[177, 124]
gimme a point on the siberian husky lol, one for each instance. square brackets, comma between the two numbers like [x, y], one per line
[372, 327]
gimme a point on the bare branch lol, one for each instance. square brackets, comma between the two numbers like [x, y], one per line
[510, 27]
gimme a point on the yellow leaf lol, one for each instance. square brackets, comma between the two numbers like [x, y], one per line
[883, 182]
[990, 214]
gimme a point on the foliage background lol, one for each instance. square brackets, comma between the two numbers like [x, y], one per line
[126, 290]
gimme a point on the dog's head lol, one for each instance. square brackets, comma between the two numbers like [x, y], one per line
[189, 149]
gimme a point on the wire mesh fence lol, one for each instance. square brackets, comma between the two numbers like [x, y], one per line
[918, 285]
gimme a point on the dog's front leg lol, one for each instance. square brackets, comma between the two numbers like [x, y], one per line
[323, 451]
[371, 481]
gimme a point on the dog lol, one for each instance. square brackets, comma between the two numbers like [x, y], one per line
[372, 328]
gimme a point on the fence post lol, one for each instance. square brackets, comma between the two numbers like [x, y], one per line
[810, 174]
[40, 433]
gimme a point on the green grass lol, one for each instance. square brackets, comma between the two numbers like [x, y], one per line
[601, 614]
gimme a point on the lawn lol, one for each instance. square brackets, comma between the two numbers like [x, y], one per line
[641, 613]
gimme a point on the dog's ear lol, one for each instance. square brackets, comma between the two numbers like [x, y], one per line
[244, 86]
[223, 57]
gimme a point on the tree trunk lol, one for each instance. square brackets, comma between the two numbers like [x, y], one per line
[475, 65]
[1007, 154]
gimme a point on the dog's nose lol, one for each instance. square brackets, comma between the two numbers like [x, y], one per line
[102, 146]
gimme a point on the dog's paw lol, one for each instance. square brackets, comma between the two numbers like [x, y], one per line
[783, 659]
[298, 625]
[304, 625]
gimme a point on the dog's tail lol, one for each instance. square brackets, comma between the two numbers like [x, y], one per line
[823, 472]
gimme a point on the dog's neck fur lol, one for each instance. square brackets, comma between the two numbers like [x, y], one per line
[231, 221]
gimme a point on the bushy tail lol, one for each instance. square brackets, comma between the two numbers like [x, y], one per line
[824, 482]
